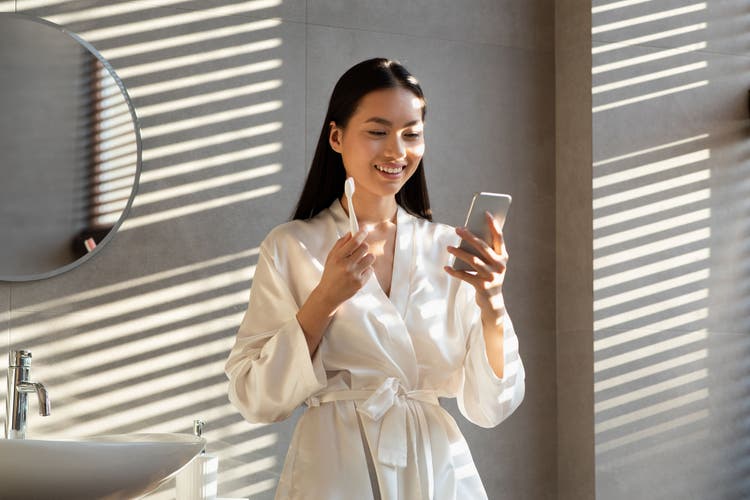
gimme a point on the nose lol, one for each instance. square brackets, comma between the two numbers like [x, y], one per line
[396, 147]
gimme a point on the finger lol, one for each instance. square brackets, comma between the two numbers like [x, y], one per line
[366, 273]
[354, 242]
[472, 279]
[495, 232]
[364, 263]
[481, 285]
[359, 252]
[472, 260]
[488, 254]
[487, 270]
[341, 242]
[477, 243]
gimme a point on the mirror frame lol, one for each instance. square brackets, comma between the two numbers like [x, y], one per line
[138, 146]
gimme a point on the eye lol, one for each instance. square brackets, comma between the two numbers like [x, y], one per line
[377, 132]
[413, 135]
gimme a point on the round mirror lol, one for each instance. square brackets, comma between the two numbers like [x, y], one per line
[70, 149]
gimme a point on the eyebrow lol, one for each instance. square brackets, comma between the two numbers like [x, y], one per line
[383, 121]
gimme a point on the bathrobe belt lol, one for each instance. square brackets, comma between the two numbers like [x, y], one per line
[389, 405]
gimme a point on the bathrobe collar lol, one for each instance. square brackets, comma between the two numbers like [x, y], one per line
[403, 256]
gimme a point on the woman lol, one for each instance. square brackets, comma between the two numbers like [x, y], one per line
[369, 330]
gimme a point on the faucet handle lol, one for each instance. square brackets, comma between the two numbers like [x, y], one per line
[20, 358]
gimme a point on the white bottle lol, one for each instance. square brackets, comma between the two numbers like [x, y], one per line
[198, 480]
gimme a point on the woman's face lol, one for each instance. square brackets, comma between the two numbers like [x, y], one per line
[383, 142]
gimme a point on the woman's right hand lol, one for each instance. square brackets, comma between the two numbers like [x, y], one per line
[348, 267]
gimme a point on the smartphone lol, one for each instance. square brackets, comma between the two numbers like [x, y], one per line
[495, 203]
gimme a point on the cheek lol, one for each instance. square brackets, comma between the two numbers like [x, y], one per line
[364, 151]
[417, 152]
[354, 155]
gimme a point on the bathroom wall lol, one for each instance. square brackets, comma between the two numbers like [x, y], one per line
[670, 202]
[231, 95]
[574, 295]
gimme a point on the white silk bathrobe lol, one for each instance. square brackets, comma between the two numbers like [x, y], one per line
[373, 427]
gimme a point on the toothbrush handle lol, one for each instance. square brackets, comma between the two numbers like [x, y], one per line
[353, 225]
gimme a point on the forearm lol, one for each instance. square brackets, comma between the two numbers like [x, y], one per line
[314, 317]
[493, 341]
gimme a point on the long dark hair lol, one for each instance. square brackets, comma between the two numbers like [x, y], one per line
[325, 180]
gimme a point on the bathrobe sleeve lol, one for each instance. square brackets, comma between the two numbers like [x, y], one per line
[483, 397]
[269, 368]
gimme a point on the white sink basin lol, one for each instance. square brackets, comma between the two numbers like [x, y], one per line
[101, 467]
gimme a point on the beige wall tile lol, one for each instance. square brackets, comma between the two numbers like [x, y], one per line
[513, 24]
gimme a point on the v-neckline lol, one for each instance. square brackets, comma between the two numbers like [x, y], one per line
[400, 277]
[390, 311]
[393, 263]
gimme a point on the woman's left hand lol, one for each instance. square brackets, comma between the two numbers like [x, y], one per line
[490, 270]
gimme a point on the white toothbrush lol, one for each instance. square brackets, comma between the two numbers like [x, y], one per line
[349, 190]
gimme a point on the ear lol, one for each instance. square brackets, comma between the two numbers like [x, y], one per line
[334, 137]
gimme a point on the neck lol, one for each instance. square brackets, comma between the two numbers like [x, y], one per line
[372, 211]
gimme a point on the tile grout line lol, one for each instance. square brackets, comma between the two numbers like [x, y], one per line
[307, 24]
[443, 39]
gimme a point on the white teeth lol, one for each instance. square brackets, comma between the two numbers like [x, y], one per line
[389, 170]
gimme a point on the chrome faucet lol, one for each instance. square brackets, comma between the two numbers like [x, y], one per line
[19, 386]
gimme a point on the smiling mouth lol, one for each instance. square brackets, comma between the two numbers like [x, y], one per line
[389, 169]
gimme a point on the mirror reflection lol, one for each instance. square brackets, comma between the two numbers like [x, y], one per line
[70, 149]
